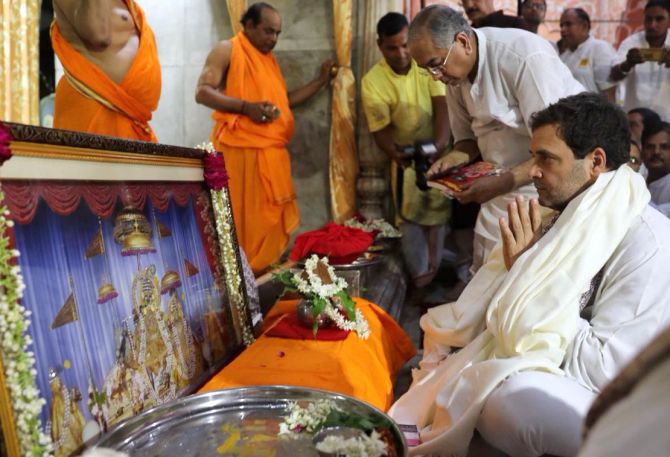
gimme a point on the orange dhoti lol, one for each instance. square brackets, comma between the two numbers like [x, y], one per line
[87, 100]
[264, 206]
[261, 189]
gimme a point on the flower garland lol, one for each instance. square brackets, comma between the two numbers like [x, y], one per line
[361, 446]
[216, 180]
[327, 295]
[385, 229]
[307, 419]
[314, 285]
[322, 413]
[19, 361]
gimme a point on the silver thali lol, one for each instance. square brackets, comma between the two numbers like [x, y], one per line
[232, 422]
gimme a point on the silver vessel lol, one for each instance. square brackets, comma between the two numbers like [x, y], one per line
[239, 421]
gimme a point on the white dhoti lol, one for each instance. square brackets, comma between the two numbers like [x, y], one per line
[517, 320]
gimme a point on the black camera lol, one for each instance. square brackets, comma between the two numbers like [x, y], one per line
[423, 154]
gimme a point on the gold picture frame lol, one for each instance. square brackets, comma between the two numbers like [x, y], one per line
[133, 279]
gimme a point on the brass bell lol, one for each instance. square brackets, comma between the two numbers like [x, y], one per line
[106, 292]
[170, 281]
[137, 242]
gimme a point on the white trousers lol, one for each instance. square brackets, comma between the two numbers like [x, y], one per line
[534, 413]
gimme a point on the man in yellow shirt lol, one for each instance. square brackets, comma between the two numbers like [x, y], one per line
[403, 105]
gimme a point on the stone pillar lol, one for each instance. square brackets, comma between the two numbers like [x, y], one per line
[373, 182]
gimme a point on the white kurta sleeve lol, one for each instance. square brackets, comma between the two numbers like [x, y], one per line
[460, 120]
[631, 306]
[542, 79]
[604, 57]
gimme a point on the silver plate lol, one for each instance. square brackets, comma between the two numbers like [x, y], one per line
[205, 424]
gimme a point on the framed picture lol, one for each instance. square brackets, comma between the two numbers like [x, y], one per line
[134, 288]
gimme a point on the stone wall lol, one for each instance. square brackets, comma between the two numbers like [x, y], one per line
[185, 33]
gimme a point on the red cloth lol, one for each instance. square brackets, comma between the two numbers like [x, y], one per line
[341, 244]
[215, 173]
[289, 327]
[5, 138]
[63, 197]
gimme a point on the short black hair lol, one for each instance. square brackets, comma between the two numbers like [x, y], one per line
[587, 121]
[652, 129]
[649, 116]
[253, 13]
[526, 1]
[391, 24]
[582, 15]
[662, 3]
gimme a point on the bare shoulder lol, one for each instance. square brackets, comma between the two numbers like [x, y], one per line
[64, 16]
[222, 50]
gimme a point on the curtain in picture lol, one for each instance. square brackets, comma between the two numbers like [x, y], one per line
[55, 267]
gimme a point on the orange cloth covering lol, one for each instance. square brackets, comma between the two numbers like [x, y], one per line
[364, 369]
[87, 100]
[261, 189]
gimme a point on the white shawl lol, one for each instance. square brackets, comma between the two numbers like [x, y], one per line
[523, 319]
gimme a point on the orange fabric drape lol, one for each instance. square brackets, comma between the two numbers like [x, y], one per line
[236, 9]
[343, 166]
[88, 100]
[261, 189]
[364, 369]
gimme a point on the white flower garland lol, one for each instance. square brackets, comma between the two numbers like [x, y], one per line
[18, 360]
[385, 229]
[306, 419]
[360, 325]
[313, 287]
[361, 446]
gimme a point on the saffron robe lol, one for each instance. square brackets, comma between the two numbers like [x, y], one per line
[87, 100]
[261, 189]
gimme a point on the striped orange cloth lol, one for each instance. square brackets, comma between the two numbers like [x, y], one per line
[363, 369]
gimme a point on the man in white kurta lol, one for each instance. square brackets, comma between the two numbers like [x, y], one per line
[656, 158]
[498, 79]
[589, 59]
[646, 83]
[558, 310]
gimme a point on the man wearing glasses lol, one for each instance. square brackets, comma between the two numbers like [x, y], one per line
[498, 79]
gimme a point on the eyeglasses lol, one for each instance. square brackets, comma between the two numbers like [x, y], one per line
[437, 69]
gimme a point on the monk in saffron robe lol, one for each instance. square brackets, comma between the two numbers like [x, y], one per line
[112, 79]
[242, 81]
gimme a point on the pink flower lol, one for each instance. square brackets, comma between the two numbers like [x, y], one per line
[5, 138]
[216, 177]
